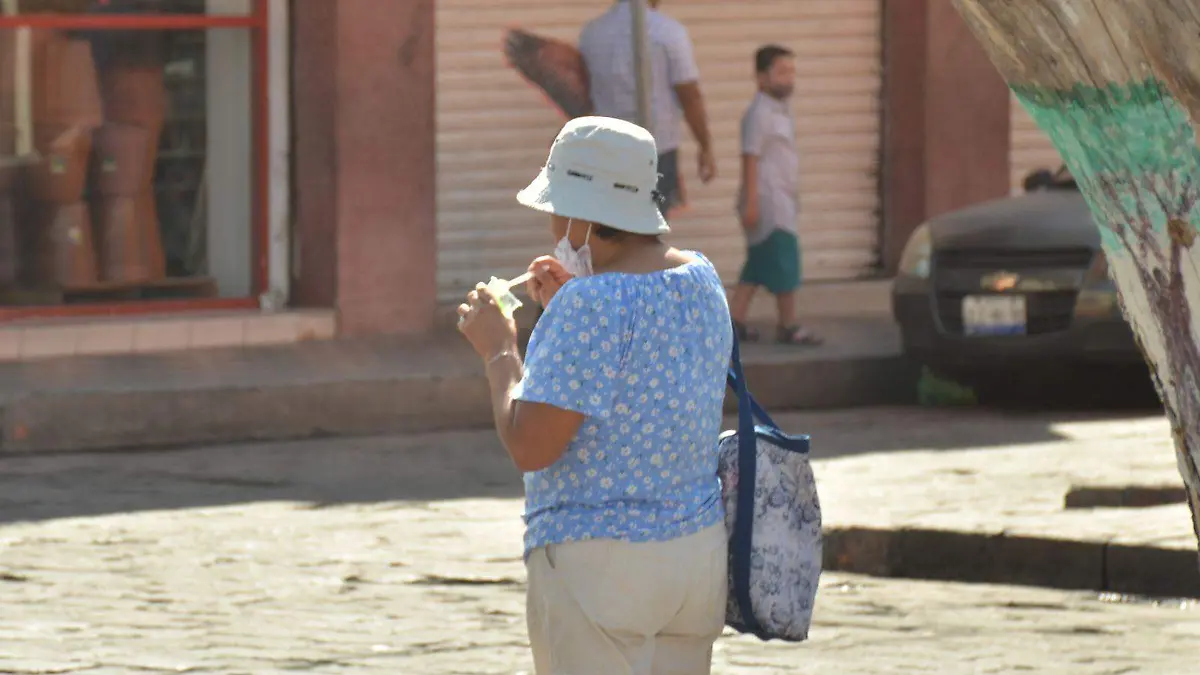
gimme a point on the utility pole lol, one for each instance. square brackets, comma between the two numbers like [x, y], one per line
[1116, 86]
[642, 64]
[22, 86]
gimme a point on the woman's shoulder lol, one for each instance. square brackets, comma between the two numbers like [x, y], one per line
[700, 271]
[612, 290]
[588, 296]
[593, 291]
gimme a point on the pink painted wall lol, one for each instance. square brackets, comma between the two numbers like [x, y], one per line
[946, 120]
[365, 162]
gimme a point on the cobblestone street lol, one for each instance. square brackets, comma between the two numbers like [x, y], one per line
[402, 555]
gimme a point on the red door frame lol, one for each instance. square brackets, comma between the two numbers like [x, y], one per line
[256, 22]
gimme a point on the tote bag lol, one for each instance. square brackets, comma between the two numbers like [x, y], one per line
[773, 518]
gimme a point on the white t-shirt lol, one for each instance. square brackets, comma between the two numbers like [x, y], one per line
[607, 48]
[769, 133]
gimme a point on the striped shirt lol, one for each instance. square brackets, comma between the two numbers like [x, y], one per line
[607, 48]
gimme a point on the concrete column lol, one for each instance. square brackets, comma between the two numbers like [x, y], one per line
[967, 117]
[902, 179]
[366, 239]
[946, 120]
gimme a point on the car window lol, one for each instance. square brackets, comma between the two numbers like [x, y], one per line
[1045, 179]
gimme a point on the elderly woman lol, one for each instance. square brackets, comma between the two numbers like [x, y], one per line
[614, 418]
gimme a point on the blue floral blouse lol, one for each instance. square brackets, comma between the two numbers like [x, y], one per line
[644, 358]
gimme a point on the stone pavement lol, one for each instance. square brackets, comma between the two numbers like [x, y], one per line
[365, 387]
[402, 555]
[906, 514]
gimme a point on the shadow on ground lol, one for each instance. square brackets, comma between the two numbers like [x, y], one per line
[883, 430]
[425, 468]
[1068, 388]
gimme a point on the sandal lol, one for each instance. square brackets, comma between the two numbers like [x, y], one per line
[745, 333]
[798, 336]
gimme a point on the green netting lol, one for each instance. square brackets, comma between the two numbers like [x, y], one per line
[1130, 147]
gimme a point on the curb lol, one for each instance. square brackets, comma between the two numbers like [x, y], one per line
[1119, 496]
[145, 418]
[998, 558]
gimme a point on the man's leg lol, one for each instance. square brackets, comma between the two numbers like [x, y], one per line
[755, 274]
[785, 304]
[790, 331]
[739, 307]
[780, 273]
[743, 296]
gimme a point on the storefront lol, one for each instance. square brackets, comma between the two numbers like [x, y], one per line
[143, 156]
[1030, 148]
[493, 130]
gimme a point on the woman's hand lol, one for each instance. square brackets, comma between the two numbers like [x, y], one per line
[484, 326]
[549, 275]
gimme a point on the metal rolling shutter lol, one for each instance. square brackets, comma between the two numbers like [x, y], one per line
[1029, 147]
[494, 130]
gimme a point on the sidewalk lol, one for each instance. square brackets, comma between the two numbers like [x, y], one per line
[402, 554]
[354, 388]
[1000, 515]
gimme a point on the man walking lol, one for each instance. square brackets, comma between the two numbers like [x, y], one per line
[768, 202]
[607, 48]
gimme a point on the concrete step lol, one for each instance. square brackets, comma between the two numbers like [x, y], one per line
[1036, 499]
[349, 388]
[817, 301]
[1058, 560]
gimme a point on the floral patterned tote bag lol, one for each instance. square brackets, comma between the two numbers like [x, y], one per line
[773, 518]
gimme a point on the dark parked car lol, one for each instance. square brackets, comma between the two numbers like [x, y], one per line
[1012, 285]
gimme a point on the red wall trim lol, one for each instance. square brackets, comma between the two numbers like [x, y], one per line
[261, 237]
[905, 42]
[131, 21]
[126, 308]
[260, 234]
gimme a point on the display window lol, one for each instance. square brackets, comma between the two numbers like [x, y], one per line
[132, 156]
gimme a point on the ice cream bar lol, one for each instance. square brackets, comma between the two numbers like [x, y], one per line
[502, 291]
[520, 280]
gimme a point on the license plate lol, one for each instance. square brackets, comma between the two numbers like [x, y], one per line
[993, 315]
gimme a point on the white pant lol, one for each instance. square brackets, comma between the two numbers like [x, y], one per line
[605, 607]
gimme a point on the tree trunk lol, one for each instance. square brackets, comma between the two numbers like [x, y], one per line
[1116, 86]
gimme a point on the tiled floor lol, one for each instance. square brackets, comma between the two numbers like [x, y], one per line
[45, 339]
[311, 361]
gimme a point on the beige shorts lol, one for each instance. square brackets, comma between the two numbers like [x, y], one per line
[605, 607]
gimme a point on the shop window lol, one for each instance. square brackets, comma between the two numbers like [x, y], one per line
[139, 7]
[129, 169]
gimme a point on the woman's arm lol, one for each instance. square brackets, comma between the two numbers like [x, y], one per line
[539, 407]
[535, 434]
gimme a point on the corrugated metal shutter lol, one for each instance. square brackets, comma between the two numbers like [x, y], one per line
[1029, 147]
[494, 130]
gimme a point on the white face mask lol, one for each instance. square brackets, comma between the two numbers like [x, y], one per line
[577, 263]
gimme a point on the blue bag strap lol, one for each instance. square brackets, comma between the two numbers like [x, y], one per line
[743, 529]
[733, 380]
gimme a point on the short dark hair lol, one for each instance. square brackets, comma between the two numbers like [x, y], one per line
[606, 232]
[766, 56]
[613, 234]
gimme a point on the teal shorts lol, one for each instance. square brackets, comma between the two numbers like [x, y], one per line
[774, 263]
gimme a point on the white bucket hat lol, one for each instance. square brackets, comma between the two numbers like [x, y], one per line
[601, 170]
